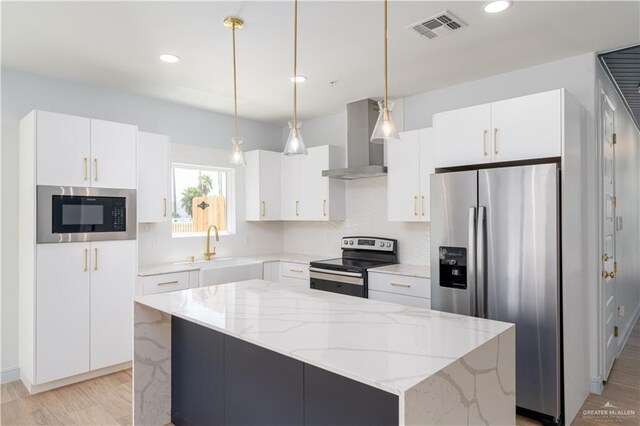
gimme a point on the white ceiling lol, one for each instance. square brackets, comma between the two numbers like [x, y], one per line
[116, 44]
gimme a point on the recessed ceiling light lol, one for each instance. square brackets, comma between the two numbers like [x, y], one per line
[298, 79]
[170, 58]
[496, 6]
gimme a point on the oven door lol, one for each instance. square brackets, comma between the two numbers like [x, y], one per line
[350, 283]
[68, 214]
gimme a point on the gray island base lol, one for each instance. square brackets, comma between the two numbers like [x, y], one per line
[261, 353]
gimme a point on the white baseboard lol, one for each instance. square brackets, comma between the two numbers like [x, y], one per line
[597, 385]
[33, 389]
[9, 374]
[627, 331]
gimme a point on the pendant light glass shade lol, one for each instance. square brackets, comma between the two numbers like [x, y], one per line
[385, 129]
[236, 157]
[295, 143]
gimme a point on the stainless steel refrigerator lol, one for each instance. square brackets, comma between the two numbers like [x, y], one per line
[495, 253]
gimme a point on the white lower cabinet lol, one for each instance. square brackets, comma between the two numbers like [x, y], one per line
[296, 281]
[402, 289]
[164, 283]
[271, 271]
[83, 307]
[62, 308]
[112, 288]
[287, 273]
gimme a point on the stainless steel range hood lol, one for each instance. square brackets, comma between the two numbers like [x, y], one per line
[364, 159]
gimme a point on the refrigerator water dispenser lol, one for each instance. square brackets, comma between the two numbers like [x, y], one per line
[453, 267]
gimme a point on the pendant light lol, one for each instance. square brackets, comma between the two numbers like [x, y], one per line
[236, 158]
[295, 143]
[385, 130]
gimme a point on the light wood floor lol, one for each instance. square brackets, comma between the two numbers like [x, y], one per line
[107, 400]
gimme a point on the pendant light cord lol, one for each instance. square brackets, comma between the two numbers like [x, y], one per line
[235, 84]
[386, 35]
[295, 67]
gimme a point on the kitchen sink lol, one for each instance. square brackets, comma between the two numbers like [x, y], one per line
[226, 269]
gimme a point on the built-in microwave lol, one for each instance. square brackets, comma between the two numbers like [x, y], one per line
[69, 214]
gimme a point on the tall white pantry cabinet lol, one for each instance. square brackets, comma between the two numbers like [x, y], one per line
[76, 299]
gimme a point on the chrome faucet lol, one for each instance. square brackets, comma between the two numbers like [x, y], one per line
[208, 254]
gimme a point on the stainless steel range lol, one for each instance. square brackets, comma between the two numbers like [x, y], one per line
[348, 274]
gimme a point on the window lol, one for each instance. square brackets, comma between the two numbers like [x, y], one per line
[201, 196]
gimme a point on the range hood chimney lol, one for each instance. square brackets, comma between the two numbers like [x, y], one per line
[364, 159]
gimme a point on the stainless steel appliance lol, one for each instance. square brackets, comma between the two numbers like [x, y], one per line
[348, 274]
[68, 214]
[495, 254]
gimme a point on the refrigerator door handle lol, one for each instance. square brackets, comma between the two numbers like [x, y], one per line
[481, 268]
[471, 261]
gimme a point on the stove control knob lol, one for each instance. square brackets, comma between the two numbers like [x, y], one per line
[388, 244]
[350, 242]
[345, 242]
[381, 244]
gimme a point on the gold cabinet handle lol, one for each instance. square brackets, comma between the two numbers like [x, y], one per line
[422, 206]
[264, 209]
[495, 141]
[400, 285]
[606, 274]
[297, 203]
[168, 283]
[164, 207]
[95, 169]
[606, 257]
[299, 271]
[95, 260]
[86, 168]
[484, 143]
[324, 207]
[415, 205]
[86, 255]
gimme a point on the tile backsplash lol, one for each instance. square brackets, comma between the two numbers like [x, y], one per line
[366, 215]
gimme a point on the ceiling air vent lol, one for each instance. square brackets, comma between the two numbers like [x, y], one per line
[438, 25]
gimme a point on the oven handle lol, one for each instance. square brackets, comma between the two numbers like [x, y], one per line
[334, 272]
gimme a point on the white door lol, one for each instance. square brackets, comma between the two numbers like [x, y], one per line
[113, 275]
[270, 163]
[291, 173]
[113, 154]
[427, 168]
[403, 178]
[527, 127]
[62, 310]
[462, 136]
[63, 143]
[153, 178]
[610, 320]
[314, 193]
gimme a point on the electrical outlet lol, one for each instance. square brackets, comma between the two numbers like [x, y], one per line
[621, 311]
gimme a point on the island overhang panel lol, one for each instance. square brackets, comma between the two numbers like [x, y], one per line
[433, 367]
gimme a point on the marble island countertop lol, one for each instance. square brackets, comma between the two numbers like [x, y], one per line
[387, 346]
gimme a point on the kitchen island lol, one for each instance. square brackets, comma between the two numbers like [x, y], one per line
[257, 352]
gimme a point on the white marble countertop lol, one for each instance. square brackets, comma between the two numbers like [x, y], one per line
[419, 271]
[389, 346]
[169, 268]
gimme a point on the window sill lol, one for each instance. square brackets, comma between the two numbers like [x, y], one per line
[200, 234]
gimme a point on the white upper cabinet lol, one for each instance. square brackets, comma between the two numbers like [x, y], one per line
[527, 127]
[306, 194]
[79, 151]
[262, 185]
[113, 152]
[463, 136]
[524, 128]
[154, 170]
[113, 280]
[291, 187]
[410, 162]
[63, 147]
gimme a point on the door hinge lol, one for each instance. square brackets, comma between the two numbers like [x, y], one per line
[615, 331]
[615, 138]
[615, 202]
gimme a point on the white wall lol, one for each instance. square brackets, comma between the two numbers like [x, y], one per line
[627, 189]
[23, 92]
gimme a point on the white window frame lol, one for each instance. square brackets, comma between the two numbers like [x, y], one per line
[231, 197]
